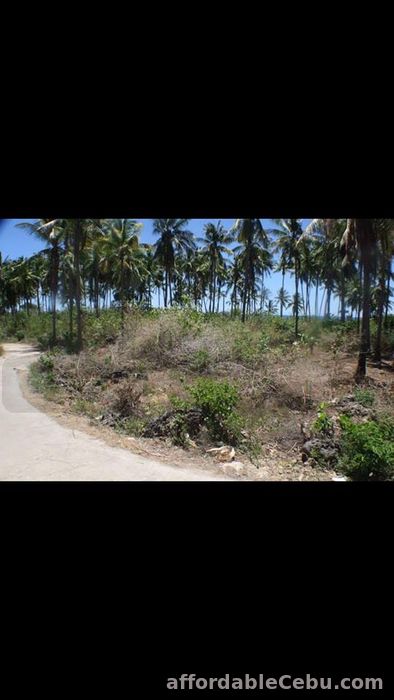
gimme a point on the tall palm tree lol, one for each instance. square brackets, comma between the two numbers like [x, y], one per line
[51, 232]
[235, 283]
[385, 248]
[122, 256]
[215, 244]
[174, 238]
[253, 255]
[288, 233]
[361, 237]
[284, 300]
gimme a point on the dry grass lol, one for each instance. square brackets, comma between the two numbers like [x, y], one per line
[280, 384]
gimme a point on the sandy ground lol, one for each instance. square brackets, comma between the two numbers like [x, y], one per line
[35, 446]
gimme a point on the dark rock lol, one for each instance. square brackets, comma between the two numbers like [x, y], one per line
[162, 426]
[119, 374]
[325, 448]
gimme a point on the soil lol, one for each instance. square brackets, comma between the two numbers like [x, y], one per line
[297, 391]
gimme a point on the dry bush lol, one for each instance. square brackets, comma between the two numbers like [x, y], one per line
[150, 340]
[167, 341]
[127, 399]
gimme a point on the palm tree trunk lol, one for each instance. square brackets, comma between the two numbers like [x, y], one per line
[322, 301]
[307, 302]
[360, 302]
[96, 295]
[317, 297]
[386, 313]
[378, 344]
[296, 300]
[54, 317]
[165, 288]
[343, 301]
[302, 295]
[262, 292]
[218, 303]
[244, 298]
[54, 285]
[283, 287]
[122, 285]
[365, 235]
[170, 287]
[78, 291]
[366, 309]
[70, 317]
[328, 309]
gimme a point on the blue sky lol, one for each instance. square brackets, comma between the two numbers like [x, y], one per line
[15, 242]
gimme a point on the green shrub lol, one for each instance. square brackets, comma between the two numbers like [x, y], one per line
[365, 397]
[84, 408]
[43, 380]
[264, 342]
[244, 349]
[19, 335]
[200, 361]
[178, 431]
[217, 401]
[44, 341]
[367, 449]
[133, 426]
[230, 429]
[179, 404]
[45, 363]
[323, 423]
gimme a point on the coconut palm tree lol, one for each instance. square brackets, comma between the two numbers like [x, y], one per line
[122, 257]
[52, 232]
[284, 300]
[215, 244]
[288, 233]
[385, 247]
[253, 254]
[361, 237]
[174, 238]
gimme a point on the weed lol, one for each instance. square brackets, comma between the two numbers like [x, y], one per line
[365, 397]
[200, 361]
[217, 401]
[367, 449]
[323, 424]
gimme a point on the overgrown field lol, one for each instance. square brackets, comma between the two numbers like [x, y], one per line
[202, 381]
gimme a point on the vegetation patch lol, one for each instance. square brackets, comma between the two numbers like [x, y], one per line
[365, 397]
[367, 449]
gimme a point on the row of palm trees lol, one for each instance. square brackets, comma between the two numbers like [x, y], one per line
[101, 262]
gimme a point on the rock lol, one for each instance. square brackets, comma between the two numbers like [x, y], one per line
[223, 454]
[233, 468]
[310, 445]
[339, 478]
[163, 426]
[356, 409]
[323, 447]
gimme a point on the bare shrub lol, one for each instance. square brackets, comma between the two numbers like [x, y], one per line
[127, 399]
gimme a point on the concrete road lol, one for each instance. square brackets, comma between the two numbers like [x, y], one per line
[34, 447]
